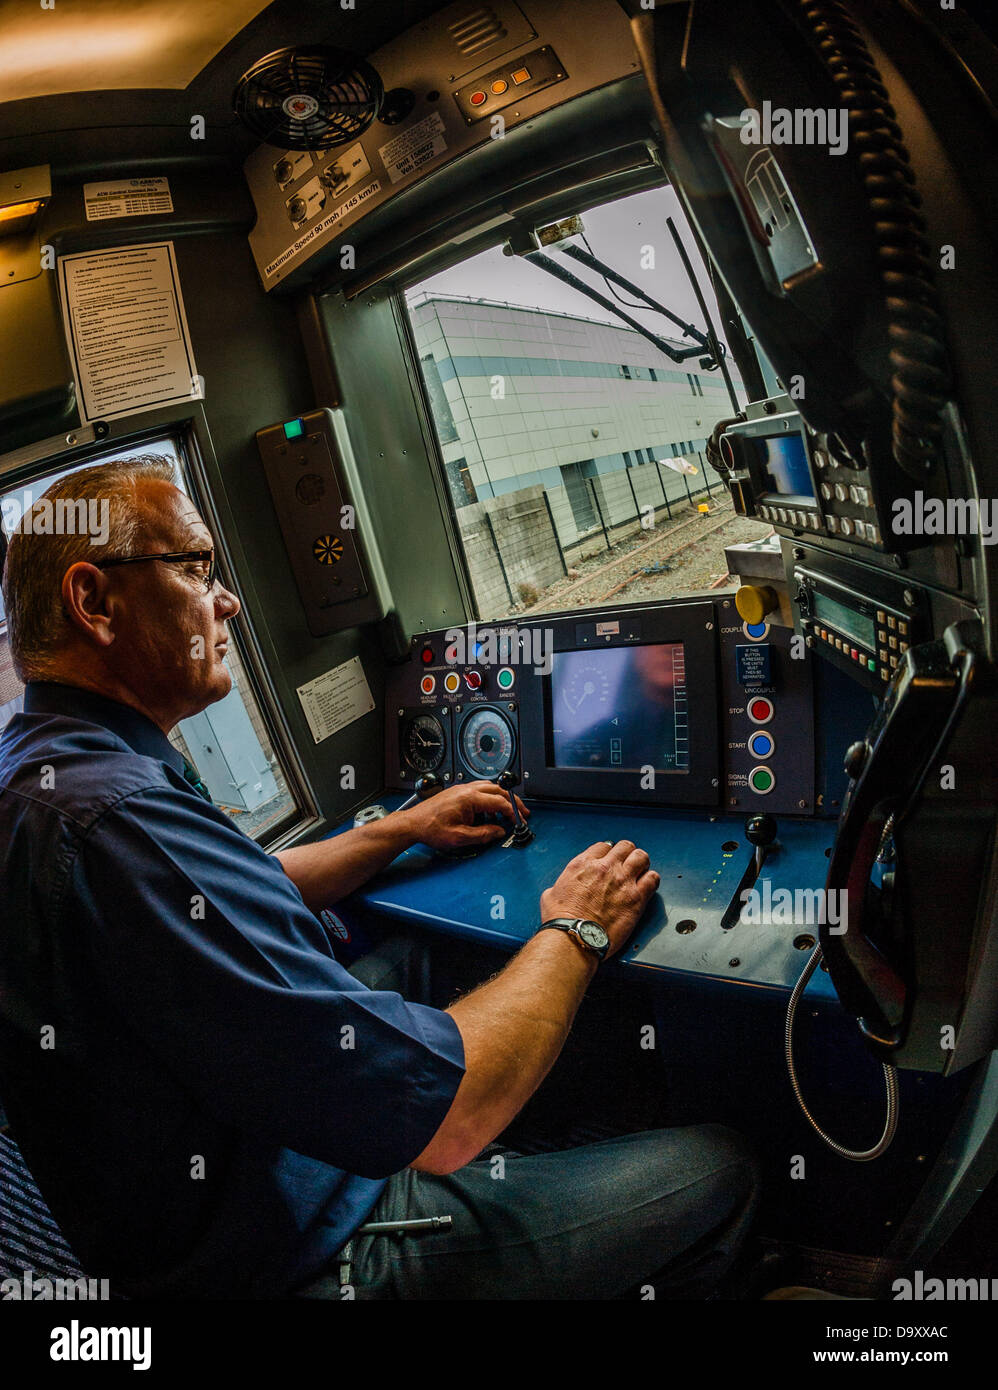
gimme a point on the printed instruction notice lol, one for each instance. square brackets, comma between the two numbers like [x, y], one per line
[126, 198]
[414, 147]
[336, 699]
[127, 330]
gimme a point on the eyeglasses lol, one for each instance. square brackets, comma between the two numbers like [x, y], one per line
[205, 556]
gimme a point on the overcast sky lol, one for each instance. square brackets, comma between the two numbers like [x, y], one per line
[616, 233]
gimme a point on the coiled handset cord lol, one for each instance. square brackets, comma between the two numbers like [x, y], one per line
[890, 1079]
[921, 380]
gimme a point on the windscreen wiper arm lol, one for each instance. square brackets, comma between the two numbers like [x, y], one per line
[545, 263]
[584, 258]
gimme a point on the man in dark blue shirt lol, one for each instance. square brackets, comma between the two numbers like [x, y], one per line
[210, 1103]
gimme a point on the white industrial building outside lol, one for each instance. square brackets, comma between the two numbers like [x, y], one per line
[555, 430]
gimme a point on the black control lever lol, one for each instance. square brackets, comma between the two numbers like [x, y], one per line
[426, 786]
[760, 831]
[522, 834]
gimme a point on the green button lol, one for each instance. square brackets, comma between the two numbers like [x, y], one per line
[872, 665]
[761, 779]
[294, 429]
[505, 679]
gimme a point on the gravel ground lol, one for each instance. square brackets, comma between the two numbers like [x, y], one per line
[695, 568]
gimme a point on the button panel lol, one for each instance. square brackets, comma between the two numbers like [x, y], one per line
[508, 84]
[768, 720]
[856, 628]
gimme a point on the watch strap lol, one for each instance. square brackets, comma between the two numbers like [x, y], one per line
[571, 926]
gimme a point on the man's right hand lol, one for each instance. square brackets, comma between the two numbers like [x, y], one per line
[608, 884]
[514, 1026]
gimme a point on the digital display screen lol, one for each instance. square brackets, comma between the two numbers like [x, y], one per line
[846, 620]
[621, 708]
[783, 466]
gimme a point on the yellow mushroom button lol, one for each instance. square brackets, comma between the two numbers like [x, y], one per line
[754, 602]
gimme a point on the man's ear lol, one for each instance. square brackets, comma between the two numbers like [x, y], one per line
[88, 603]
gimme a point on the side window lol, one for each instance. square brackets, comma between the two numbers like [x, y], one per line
[228, 742]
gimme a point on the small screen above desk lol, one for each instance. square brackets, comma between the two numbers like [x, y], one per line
[621, 707]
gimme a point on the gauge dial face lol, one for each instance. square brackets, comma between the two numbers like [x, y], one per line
[423, 743]
[487, 742]
[587, 689]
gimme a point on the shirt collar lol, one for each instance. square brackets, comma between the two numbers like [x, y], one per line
[136, 729]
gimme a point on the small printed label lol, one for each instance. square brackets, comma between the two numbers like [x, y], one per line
[126, 198]
[127, 330]
[607, 629]
[335, 699]
[415, 147]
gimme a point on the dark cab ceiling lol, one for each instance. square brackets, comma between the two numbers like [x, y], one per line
[81, 130]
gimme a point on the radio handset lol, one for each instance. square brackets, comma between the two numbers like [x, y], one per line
[887, 770]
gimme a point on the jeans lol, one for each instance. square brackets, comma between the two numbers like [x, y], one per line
[655, 1214]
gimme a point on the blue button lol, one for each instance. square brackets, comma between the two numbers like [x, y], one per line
[761, 745]
[756, 629]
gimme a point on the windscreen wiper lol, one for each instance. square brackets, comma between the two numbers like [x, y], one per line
[545, 263]
[585, 258]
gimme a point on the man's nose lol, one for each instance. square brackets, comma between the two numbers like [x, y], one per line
[226, 601]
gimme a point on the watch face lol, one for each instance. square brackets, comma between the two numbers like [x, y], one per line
[593, 935]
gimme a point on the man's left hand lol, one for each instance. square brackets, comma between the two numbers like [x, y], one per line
[446, 820]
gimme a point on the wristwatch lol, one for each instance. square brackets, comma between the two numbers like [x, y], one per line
[590, 935]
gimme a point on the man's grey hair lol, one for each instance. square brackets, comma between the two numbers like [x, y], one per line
[37, 625]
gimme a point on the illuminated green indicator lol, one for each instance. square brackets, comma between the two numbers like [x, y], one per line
[505, 679]
[871, 663]
[761, 779]
[294, 429]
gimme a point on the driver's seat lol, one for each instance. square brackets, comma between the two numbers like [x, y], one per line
[29, 1237]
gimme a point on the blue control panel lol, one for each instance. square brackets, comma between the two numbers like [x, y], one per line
[666, 724]
[702, 860]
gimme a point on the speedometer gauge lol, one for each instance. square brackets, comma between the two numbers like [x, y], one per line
[486, 742]
[586, 690]
[423, 743]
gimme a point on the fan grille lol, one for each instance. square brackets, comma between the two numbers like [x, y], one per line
[308, 98]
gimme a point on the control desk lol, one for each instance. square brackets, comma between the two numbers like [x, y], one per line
[678, 726]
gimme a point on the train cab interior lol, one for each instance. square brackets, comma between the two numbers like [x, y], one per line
[594, 397]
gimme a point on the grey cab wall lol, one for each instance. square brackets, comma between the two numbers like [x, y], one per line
[250, 351]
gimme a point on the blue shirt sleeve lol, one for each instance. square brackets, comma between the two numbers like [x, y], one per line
[205, 948]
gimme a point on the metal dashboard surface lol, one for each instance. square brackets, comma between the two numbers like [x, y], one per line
[493, 897]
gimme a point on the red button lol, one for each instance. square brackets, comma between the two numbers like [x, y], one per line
[760, 710]
[478, 98]
[427, 655]
[854, 654]
[428, 684]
